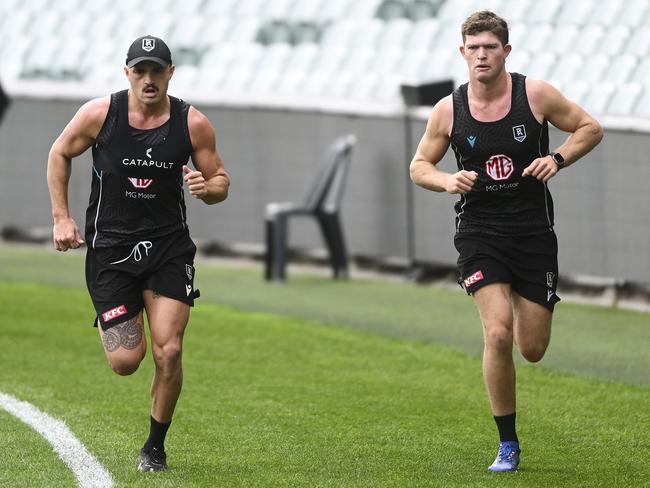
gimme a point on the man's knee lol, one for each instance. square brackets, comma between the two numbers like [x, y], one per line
[125, 366]
[532, 353]
[498, 337]
[168, 356]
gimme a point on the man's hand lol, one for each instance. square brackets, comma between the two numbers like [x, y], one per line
[542, 168]
[195, 182]
[66, 235]
[461, 182]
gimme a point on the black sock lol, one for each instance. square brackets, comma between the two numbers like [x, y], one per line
[506, 426]
[157, 433]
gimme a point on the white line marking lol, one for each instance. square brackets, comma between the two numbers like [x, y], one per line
[88, 471]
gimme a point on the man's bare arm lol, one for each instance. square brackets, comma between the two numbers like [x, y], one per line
[585, 131]
[210, 182]
[432, 148]
[76, 138]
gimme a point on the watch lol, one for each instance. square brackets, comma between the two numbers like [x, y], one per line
[559, 160]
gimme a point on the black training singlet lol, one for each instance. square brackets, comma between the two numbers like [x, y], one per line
[502, 201]
[137, 182]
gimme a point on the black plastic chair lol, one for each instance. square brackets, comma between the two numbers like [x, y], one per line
[323, 202]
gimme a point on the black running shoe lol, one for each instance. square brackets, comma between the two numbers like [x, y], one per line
[152, 459]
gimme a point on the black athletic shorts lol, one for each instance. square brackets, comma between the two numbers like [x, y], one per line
[116, 276]
[527, 263]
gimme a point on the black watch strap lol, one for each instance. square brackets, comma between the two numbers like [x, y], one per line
[559, 160]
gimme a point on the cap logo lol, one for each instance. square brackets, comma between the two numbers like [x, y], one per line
[148, 44]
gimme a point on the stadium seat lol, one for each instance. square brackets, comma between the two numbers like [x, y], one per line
[305, 32]
[422, 35]
[329, 59]
[642, 107]
[244, 31]
[641, 73]
[269, 68]
[340, 33]
[275, 31]
[536, 37]
[542, 65]
[516, 10]
[575, 12]
[576, 91]
[219, 9]
[632, 13]
[614, 40]
[248, 8]
[593, 70]
[621, 68]
[387, 61]
[563, 35]
[322, 202]
[624, 99]
[544, 12]
[302, 58]
[566, 68]
[277, 9]
[603, 13]
[333, 10]
[363, 88]
[394, 34]
[183, 33]
[598, 97]
[421, 9]
[388, 89]
[246, 59]
[517, 61]
[391, 10]
[306, 10]
[588, 39]
[362, 9]
[452, 12]
[639, 41]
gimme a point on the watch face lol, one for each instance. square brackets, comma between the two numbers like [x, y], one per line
[559, 160]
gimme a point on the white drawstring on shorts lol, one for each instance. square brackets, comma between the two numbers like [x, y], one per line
[135, 252]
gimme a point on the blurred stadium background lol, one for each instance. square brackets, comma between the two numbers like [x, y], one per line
[280, 79]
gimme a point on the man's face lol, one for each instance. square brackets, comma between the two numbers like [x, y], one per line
[485, 55]
[149, 81]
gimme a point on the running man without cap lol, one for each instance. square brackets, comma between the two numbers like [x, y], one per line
[497, 125]
[140, 255]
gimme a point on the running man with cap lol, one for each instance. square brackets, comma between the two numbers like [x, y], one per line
[140, 256]
[497, 125]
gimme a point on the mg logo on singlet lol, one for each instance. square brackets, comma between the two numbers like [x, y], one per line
[499, 167]
[141, 182]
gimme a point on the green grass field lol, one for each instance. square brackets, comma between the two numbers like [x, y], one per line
[321, 384]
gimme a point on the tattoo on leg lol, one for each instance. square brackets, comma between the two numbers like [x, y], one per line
[128, 335]
[110, 340]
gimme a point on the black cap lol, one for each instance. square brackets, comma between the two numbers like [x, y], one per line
[148, 48]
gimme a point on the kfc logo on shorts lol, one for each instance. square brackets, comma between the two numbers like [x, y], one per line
[475, 278]
[115, 312]
[499, 167]
[141, 182]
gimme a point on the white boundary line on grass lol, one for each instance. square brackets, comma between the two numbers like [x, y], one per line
[88, 471]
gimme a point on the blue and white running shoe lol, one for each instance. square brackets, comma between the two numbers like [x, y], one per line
[507, 458]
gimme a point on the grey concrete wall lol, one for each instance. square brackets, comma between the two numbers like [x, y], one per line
[602, 204]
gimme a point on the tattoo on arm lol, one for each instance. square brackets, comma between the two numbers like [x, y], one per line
[127, 334]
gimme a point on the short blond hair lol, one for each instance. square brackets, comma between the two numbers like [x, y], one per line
[483, 21]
